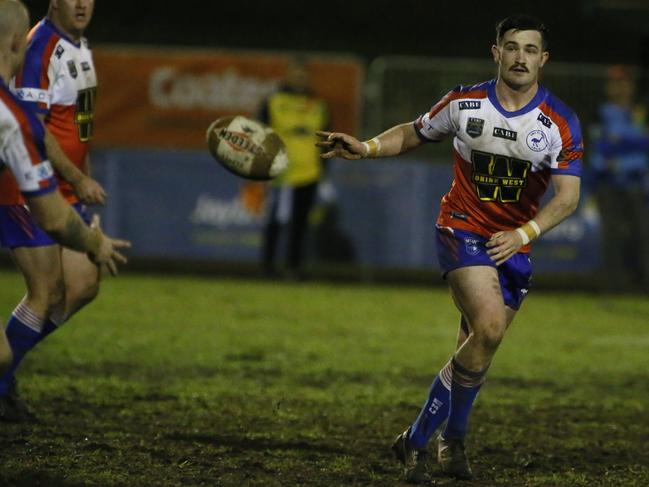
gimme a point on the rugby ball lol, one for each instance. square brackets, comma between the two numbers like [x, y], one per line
[247, 148]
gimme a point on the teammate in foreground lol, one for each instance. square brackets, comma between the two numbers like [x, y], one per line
[58, 81]
[511, 138]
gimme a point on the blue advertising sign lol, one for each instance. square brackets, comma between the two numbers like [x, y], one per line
[181, 204]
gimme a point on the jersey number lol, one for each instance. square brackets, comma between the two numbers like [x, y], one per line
[499, 178]
[85, 113]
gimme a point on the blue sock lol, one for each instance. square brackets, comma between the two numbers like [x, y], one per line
[464, 389]
[48, 327]
[435, 409]
[23, 332]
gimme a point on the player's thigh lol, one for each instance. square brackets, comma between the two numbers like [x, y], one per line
[41, 269]
[477, 293]
[80, 274]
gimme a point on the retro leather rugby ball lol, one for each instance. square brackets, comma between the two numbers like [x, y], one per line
[247, 148]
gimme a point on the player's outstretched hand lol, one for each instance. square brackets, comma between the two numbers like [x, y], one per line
[502, 245]
[337, 144]
[107, 253]
[90, 192]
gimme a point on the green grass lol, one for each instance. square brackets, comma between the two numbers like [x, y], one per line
[181, 381]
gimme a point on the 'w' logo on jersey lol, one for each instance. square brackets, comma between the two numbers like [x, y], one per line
[499, 178]
[85, 113]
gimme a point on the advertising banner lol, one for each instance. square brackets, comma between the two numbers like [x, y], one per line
[182, 204]
[168, 97]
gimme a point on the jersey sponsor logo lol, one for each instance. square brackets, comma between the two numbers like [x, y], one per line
[85, 66]
[469, 105]
[59, 52]
[499, 178]
[472, 245]
[39, 172]
[474, 127]
[85, 113]
[32, 95]
[544, 120]
[504, 133]
[537, 140]
[72, 68]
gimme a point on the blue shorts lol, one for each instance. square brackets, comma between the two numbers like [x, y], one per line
[18, 228]
[457, 248]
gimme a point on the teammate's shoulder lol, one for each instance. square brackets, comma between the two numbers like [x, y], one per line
[41, 36]
[21, 113]
[554, 107]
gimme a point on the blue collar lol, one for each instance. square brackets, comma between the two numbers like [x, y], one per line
[533, 103]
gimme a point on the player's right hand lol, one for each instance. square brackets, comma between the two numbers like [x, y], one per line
[342, 145]
[107, 253]
[90, 192]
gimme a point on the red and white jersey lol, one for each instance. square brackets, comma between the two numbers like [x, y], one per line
[22, 146]
[58, 79]
[503, 160]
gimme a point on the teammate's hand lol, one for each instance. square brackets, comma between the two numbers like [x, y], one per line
[90, 192]
[107, 253]
[340, 145]
[502, 245]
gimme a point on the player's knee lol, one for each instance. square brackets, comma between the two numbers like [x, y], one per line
[490, 333]
[90, 291]
[83, 293]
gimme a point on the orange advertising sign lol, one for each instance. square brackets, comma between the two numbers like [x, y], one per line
[168, 97]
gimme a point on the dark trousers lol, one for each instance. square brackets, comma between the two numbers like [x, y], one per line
[289, 206]
[625, 232]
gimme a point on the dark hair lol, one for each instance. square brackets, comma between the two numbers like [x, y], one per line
[523, 22]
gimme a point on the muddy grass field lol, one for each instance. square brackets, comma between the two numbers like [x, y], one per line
[216, 382]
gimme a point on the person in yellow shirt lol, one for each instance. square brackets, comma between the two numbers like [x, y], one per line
[296, 115]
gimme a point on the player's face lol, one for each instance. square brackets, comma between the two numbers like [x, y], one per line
[520, 57]
[73, 15]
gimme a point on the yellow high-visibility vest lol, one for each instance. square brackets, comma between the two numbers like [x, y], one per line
[296, 117]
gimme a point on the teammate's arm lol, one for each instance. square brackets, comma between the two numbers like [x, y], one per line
[503, 245]
[87, 189]
[392, 142]
[63, 224]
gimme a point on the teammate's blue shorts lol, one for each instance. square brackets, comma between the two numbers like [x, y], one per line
[457, 248]
[18, 228]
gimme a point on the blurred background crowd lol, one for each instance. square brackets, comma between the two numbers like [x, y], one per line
[166, 72]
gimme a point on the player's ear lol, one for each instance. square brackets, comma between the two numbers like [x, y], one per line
[495, 52]
[16, 43]
[545, 55]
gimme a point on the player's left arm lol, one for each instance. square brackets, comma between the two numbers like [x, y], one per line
[88, 190]
[503, 245]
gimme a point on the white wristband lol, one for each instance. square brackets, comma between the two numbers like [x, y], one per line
[372, 148]
[523, 235]
[535, 226]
